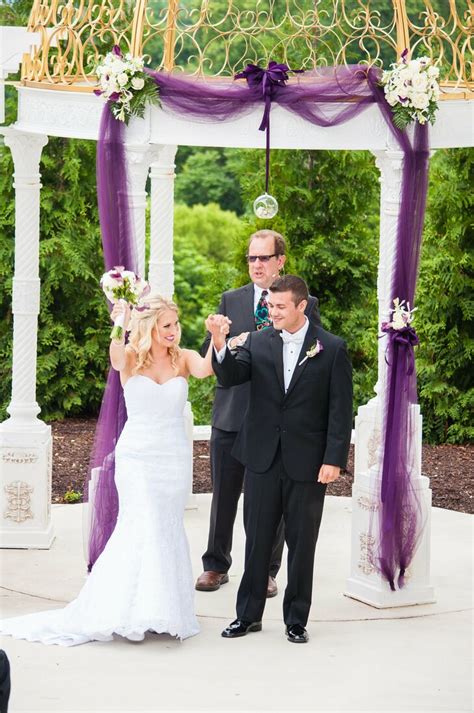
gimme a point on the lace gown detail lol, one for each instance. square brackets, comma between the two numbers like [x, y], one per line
[143, 579]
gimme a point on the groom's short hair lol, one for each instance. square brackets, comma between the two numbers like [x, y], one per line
[291, 283]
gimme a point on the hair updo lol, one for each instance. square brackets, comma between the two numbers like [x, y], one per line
[142, 325]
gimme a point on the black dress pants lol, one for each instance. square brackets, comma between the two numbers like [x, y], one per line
[269, 496]
[227, 480]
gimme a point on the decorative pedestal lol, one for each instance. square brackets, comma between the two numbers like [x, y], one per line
[25, 495]
[365, 583]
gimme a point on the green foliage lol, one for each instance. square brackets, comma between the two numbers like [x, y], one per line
[72, 496]
[206, 177]
[445, 300]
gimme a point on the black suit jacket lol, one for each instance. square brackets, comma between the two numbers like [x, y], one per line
[230, 405]
[312, 421]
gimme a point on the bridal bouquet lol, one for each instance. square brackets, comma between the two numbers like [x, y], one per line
[412, 90]
[125, 85]
[121, 284]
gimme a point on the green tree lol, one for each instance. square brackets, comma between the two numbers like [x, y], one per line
[205, 177]
[445, 301]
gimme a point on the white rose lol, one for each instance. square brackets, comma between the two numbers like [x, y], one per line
[118, 66]
[122, 79]
[406, 74]
[419, 100]
[432, 72]
[138, 83]
[420, 82]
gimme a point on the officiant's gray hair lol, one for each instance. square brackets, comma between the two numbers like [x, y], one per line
[291, 283]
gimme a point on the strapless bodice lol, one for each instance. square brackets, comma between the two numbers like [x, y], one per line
[148, 400]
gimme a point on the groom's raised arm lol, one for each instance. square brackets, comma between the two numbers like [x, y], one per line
[230, 370]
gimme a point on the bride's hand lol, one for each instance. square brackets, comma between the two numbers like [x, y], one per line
[121, 307]
[218, 323]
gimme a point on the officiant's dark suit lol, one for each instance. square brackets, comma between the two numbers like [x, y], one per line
[229, 408]
[283, 442]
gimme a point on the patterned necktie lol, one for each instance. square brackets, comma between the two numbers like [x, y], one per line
[262, 317]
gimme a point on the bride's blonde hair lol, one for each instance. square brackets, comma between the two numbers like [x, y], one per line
[142, 325]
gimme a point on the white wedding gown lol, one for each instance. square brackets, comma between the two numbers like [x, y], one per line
[143, 579]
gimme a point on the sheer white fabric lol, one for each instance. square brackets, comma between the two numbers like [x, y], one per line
[143, 579]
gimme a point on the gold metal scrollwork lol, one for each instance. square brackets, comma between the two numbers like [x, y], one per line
[217, 38]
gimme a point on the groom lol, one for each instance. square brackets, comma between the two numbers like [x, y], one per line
[294, 440]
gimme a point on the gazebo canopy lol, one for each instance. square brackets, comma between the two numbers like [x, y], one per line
[218, 37]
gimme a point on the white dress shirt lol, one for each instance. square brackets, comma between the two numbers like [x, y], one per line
[292, 345]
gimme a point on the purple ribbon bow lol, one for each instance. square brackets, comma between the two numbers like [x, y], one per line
[268, 80]
[406, 338]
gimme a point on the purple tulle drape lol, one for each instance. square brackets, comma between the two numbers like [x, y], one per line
[118, 245]
[326, 98]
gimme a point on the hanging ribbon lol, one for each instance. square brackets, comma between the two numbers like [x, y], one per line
[266, 80]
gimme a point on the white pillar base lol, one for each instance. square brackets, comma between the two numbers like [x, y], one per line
[25, 476]
[365, 583]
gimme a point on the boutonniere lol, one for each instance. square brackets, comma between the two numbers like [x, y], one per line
[312, 351]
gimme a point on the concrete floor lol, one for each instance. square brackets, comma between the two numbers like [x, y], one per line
[358, 659]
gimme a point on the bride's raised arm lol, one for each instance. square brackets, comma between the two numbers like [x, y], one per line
[199, 366]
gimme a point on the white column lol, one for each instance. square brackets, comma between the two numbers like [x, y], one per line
[365, 583]
[139, 158]
[25, 441]
[161, 268]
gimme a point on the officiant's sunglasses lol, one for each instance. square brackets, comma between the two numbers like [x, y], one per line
[262, 258]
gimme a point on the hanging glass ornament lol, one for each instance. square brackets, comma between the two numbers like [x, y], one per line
[265, 206]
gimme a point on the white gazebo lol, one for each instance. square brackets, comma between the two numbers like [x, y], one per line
[55, 99]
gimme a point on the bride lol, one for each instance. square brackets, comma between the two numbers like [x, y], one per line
[142, 580]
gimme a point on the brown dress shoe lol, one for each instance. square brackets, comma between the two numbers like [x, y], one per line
[272, 589]
[211, 581]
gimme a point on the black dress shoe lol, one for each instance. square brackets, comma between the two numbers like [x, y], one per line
[297, 634]
[240, 627]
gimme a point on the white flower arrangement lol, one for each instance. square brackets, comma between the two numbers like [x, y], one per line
[120, 284]
[412, 90]
[125, 84]
[402, 316]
